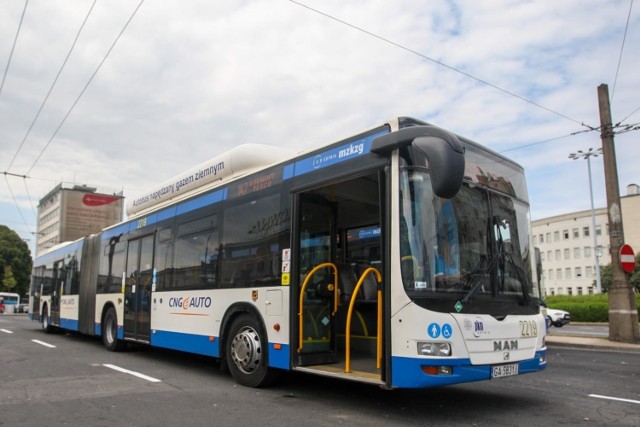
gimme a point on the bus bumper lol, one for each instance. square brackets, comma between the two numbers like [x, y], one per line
[409, 372]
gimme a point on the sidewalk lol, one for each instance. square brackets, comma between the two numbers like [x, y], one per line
[590, 342]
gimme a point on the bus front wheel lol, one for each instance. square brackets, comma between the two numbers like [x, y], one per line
[246, 353]
[110, 331]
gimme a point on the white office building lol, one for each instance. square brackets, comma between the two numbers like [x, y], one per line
[567, 250]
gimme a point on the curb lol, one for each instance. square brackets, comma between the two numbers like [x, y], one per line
[591, 343]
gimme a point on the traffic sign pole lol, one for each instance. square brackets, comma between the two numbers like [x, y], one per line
[623, 313]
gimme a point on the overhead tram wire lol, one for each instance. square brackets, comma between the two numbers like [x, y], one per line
[85, 87]
[64, 119]
[13, 47]
[15, 201]
[630, 114]
[442, 64]
[538, 143]
[624, 38]
[33, 209]
[46, 98]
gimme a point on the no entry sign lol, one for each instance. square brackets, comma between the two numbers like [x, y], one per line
[627, 259]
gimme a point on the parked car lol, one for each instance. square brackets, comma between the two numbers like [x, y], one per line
[557, 318]
[22, 308]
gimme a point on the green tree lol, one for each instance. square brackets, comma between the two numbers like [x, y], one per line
[606, 276]
[14, 254]
[8, 281]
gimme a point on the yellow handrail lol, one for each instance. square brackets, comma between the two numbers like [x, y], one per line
[304, 286]
[347, 366]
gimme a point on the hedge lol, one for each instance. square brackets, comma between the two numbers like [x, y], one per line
[585, 308]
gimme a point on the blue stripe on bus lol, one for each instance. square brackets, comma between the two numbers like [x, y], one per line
[331, 157]
[69, 324]
[407, 372]
[279, 358]
[192, 343]
[187, 206]
[202, 201]
[97, 330]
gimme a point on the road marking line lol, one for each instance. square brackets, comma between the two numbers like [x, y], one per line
[6, 331]
[597, 396]
[135, 374]
[44, 343]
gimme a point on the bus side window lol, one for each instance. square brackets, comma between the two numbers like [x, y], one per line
[164, 259]
[196, 254]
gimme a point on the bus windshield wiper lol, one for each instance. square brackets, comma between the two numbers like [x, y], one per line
[500, 256]
[475, 288]
[523, 283]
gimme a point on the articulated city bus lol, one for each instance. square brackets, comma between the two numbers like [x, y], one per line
[400, 257]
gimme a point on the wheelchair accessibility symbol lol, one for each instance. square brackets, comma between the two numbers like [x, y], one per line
[447, 331]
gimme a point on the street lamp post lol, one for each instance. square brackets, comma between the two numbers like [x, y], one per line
[587, 155]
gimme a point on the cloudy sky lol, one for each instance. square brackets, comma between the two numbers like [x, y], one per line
[145, 91]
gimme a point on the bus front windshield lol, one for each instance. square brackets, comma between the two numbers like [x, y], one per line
[468, 254]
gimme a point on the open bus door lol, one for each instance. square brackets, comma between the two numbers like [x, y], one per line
[316, 248]
[337, 281]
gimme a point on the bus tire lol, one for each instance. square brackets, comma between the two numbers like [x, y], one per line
[45, 321]
[246, 353]
[110, 331]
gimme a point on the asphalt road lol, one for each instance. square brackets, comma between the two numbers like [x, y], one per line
[582, 330]
[76, 382]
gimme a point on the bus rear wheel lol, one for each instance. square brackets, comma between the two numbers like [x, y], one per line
[110, 331]
[46, 324]
[246, 353]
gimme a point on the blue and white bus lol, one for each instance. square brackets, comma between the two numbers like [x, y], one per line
[9, 302]
[399, 257]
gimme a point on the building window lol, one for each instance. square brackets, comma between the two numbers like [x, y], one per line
[548, 237]
[550, 255]
[587, 251]
[580, 290]
[590, 290]
[598, 230]
[559, 273]
[567, 253]
[578, 271]
[570, 291]
[576, 253]
[576, 233]
[567, 273]
[541, 237]
[588, 272]
[585, 232]
[541, 256]
[556, 236]
[565, 234]
[535, 240]
[558, 255]
[550, 274]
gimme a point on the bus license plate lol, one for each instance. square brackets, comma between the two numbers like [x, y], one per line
[504, 370]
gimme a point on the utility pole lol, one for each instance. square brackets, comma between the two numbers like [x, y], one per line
[623, 313]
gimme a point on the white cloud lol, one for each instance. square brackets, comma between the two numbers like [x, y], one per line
[188, 80]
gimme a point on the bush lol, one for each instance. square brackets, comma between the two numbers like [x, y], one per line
[584, 308]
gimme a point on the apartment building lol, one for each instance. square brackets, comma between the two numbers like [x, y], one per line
[67, 214]
[568, 250]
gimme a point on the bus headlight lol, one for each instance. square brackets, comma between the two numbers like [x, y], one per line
[437, 349]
